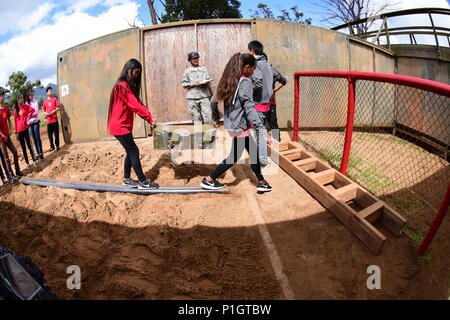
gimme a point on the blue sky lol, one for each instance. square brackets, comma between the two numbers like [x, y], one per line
[51, 26]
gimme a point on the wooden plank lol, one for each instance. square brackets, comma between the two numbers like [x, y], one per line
[372, 212]
[289, 151]
[346, 193]
[371, 237]
[392, 220]
[305, 162]
[293, 156]
[323, 177]
[308, 167]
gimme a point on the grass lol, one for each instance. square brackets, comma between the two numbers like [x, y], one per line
[417, 236]
[367, 174]
[404, 202]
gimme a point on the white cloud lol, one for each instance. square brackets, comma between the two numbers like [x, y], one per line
[22, 15]
[34, 51]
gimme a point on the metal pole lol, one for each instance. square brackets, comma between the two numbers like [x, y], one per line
[296, 106]
[436, 224]
[435, 35]
[349, 126]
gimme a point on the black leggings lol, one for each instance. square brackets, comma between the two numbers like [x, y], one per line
[53, 130]
[24, 138]
[132, 158]
[271, 118]
[235, 154]
[9, 145]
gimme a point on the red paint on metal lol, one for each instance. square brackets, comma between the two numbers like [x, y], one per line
[349, 126]
[296, 107]
[436, 224]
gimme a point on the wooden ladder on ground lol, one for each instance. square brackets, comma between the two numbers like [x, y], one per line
[353, 206]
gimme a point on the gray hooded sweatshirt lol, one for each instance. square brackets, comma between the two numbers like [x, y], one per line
[262, 79]
[239, 115]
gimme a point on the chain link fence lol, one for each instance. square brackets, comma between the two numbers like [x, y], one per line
[400, 143]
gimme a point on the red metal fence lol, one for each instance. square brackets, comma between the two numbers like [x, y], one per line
[389, 133]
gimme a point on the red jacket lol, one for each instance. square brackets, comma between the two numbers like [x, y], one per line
[121, 117]
[20, 120]
[5, 114]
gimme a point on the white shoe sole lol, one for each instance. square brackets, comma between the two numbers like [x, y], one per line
[128, 186]
[207, 187]
[144, 188]
[264, 190]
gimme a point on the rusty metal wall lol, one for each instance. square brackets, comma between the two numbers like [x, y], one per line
[166, 52]
[295, 47]
[89, 71]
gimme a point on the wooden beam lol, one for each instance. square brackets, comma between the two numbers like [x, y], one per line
[372, 212]
[346, 193]
[305, 162]
[323, 177]
[359, 223]
[289, 151]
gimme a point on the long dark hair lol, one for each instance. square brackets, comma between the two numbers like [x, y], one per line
[231, 75]
[16, 104]
[125, 75]
[27, 99]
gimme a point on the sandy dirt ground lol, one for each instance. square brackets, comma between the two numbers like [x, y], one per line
[204, 246]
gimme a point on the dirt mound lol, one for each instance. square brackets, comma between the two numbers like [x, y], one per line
[203, 246]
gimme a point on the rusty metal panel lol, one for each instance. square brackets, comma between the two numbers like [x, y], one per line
[166, 53]
[90, 70]
[74, 71]
[215, 55]
[297, 47]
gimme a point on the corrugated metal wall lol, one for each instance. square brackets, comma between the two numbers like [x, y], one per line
[89, 71]
[166, 53]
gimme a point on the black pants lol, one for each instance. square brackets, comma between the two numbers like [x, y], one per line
[132, 158]
[53, 130]
[272, 121]
[5, 167]
[9, 145]
[236, 152]
[24, 138]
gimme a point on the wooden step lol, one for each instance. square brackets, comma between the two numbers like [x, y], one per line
[323, 177]
[316, 183]
[346, 193]
[372, 212]
[286, 152]
[293, 156]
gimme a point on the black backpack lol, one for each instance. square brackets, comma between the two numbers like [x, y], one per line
[22, 279]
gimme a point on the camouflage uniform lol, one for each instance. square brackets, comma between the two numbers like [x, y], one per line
[198, 96]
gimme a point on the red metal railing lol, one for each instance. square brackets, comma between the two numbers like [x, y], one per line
[352, 77]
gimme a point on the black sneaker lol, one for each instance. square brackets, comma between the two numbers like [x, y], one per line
[4, 181]
[264, 187]
[19, 174]
[148, 184]
[214, 185]
[130, 183]
[51, 149]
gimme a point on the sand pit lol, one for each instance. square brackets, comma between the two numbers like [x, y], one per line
[198, 246]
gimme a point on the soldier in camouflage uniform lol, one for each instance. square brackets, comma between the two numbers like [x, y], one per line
[199, 92]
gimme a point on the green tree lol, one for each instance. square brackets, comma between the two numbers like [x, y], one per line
[4, 90]
[292, 15]
[18, 83]
[179, 10]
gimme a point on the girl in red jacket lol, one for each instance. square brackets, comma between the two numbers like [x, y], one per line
[22, 113]
[124, 102]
